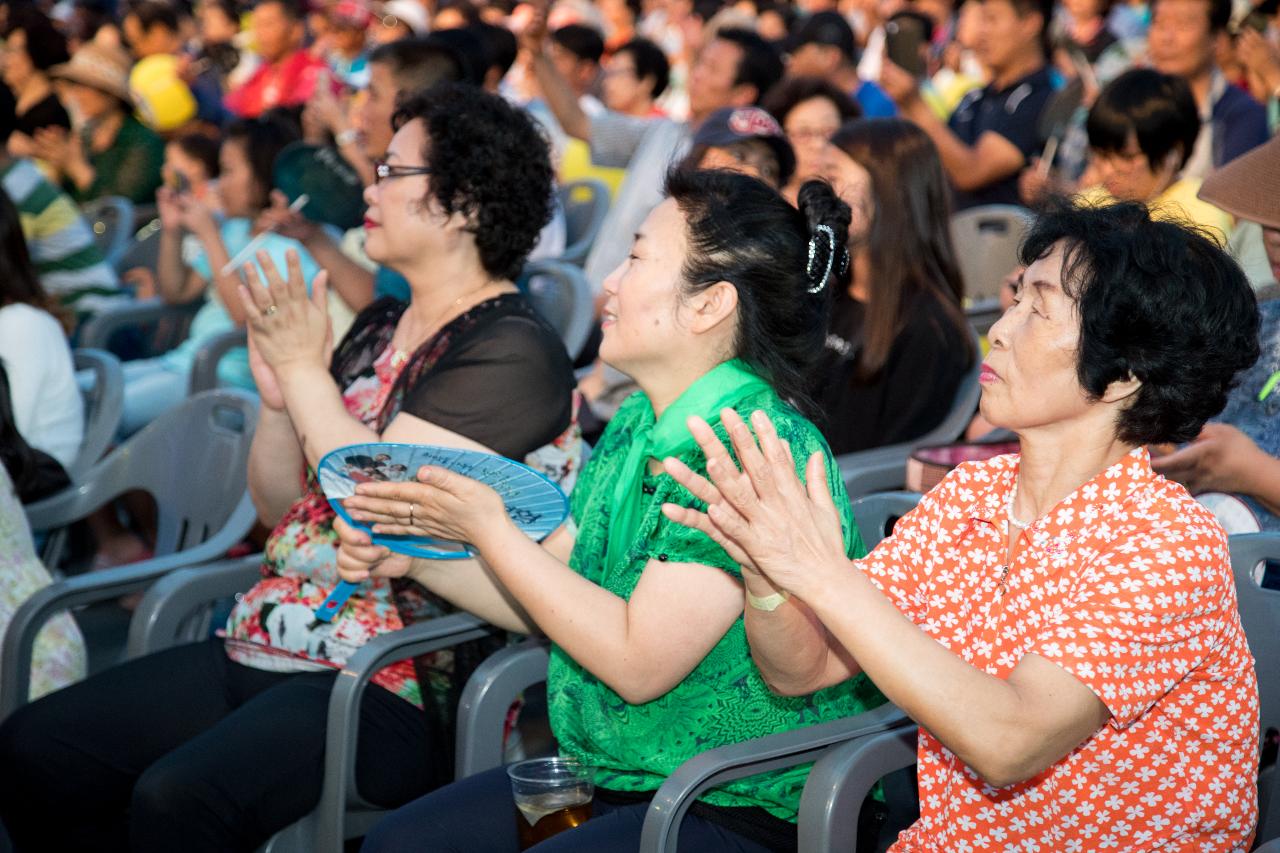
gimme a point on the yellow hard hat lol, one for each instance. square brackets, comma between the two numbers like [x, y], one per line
[163, 100]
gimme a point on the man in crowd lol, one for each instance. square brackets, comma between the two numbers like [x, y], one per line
[1182, 42]
[288, 73]
[824, 47]
[993, 134]
[634, 77]
[153, 28]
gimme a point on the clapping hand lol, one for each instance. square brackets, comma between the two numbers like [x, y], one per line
[287, 328]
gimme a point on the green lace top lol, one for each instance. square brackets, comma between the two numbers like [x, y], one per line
[724, 700]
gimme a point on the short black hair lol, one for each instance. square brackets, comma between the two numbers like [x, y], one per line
[291, 9]
[500, 46]
[151, 13]
[200, 147]
[264, 138]
[1043, 8]
[582, 41]
[489, 162]
[793, 91]
[649, 61]
[1219, 13]
[761, 66]
[738, 229]
[1158, 109]
[46, 46]
[829, 28]
[1158, 301]
[468, 46]
[418, 63]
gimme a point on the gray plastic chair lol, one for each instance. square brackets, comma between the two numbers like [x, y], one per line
[193, 460]
[111, 219]
[585, 204]
[166, 324]
[1269, 847]
[204, 369]
[103, 407]
[884, 468]
[872, 513]
[986, 240]
[143, 250]
[1260, 615]
[561, 294]
[176, 609]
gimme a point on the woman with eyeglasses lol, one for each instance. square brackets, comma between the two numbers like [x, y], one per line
[215, 746]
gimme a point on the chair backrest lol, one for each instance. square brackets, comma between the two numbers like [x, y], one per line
[193, 460]
[1260, 616]
[986, 240]
[143, 250]
[204, 369]
[873, 513]
[103, 407]
[585, 204]
[561, 294]
[111, 219]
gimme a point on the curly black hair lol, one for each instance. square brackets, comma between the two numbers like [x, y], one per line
[488, 161]
[1158, 301]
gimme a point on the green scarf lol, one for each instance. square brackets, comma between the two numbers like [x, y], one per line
[724, 386]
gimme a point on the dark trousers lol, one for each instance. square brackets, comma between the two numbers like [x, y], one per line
[185, 750]
[477, 815]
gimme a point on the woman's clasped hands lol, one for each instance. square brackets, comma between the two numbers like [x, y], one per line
[287, 328]
[763, 515]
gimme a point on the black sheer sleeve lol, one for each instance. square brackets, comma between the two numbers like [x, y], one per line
[507, 384]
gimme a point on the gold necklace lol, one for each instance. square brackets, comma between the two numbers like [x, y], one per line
[400, 356]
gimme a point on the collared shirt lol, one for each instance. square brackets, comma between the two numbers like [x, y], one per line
[283, 84]
[1127, 585]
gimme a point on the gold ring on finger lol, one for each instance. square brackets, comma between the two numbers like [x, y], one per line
[271, 309]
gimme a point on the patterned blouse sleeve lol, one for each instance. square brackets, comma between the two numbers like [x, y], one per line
[1145, 614]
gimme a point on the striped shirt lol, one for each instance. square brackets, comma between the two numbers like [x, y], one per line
[69, 262]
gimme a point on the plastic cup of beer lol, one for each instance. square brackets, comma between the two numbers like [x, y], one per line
[551, 795]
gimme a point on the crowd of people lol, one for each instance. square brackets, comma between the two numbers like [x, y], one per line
[360, 185]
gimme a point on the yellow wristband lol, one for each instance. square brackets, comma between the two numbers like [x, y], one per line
[768, 603]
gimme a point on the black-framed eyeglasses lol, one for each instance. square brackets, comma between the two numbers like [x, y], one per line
[382, 170]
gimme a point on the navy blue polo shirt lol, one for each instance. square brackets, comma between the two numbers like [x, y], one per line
[1014, 113]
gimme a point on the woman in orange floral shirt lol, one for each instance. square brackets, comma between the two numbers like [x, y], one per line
[1061, 623]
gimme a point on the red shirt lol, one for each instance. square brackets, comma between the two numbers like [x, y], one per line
[284, 84]
[1127, 585]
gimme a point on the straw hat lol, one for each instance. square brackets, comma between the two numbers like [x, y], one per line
[98, 67]
[1248, 186]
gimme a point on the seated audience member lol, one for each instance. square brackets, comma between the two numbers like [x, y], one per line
[216, 745]
[108, 152]
[576, 50]
[45, 402]
[288, 73]
[71, 267]
[824, 47]
[1141, 132]
[218, 24]
[58, 658]
[154, 28]
[634, 76]
[993, 134]
[746, 140]
[717, 307]
[32, 45]
[198, 238]
[1182, 42]
[1084, 24]
[348, 54]
[810, 111]
[1239, 451]
[899, 343]
[1031, 615]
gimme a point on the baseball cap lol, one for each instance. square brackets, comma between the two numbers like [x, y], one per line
[738, 124]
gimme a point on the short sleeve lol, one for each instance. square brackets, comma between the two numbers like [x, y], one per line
[1019, 121]
[615, 138]
[509, 388]
[900, 565]
[1145, 615]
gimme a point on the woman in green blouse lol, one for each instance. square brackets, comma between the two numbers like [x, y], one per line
[722, 304]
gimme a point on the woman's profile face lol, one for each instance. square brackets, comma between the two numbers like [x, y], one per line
[16, 65]
[399, 227]
[641, 316]
[809, 126]
[238, 190]
[1029, 378]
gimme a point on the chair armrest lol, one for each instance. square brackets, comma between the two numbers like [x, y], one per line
[482, 710]
[204, 370]
[98, 329]
[841, 780]
[740, 760]
[339, 789]
[159, 617]
[31, 615]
